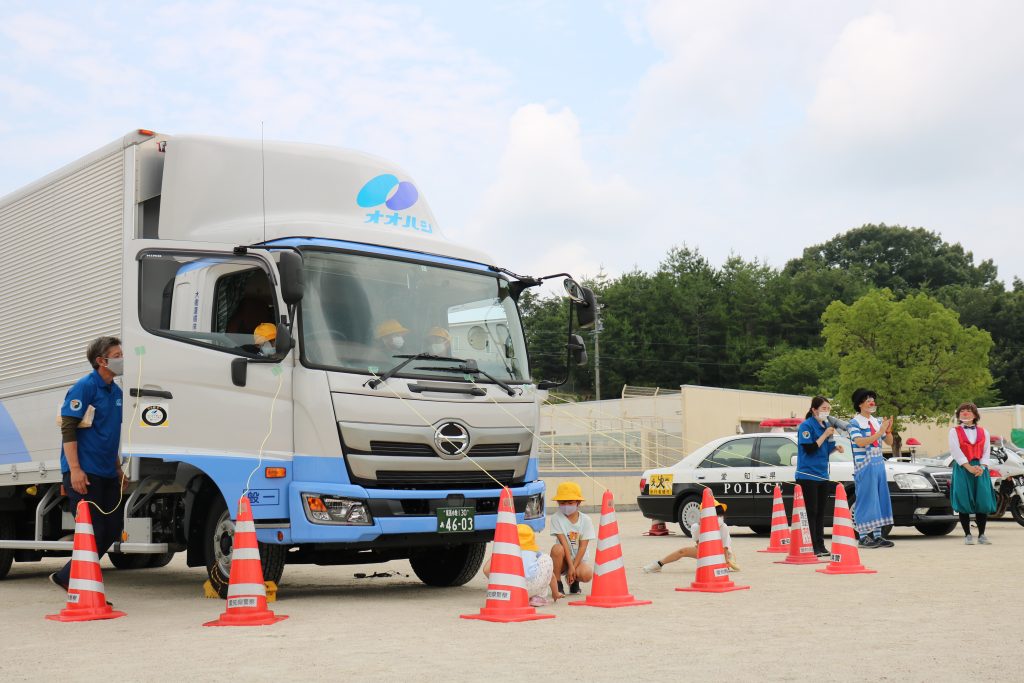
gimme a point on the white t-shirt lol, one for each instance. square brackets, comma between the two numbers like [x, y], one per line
[581, 530]
[726, 538]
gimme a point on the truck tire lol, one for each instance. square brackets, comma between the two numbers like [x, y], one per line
[160, 560]
[935, 528]
[688, 512]
[129, 560]
[220, 530]
[450, 566]
[7, 531]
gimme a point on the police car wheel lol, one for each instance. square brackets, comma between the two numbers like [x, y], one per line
[688, 513]
[761, 530]
[220, 531]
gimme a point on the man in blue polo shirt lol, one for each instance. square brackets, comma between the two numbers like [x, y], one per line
[90, 458]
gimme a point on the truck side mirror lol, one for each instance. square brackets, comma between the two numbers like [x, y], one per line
[293, 279]
[578, 349]
[586, 310]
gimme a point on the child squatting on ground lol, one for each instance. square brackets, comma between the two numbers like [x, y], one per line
[691, 550]
[573, 532]
[536, 568]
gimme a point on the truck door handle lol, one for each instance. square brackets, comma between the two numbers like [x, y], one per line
[152, 393]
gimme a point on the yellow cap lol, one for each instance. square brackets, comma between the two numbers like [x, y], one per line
[389, 327]
[265, 332]
[527, 541]
[439, 332]
[568, 490]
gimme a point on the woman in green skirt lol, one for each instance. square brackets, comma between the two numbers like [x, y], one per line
[972, 491]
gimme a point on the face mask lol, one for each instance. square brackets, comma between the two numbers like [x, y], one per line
[568, 508]
[397, 342]
[267, 349]
[116, 366]
[438, 349]
[823, 415]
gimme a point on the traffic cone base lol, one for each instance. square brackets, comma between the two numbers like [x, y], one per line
[247, 591]
[507, 600]
[658, 529]
[712, 572]
[609, 588]
[845, 555]
[86, 598]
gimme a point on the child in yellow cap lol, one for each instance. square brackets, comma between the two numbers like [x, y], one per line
[536, 568]
[691, 550]
[573, 532]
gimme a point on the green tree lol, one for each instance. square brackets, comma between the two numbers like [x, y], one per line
[914, 353]
[811, 372]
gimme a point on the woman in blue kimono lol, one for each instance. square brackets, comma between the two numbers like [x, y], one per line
[872, 507]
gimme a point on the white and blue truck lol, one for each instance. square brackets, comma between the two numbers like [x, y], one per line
[350, 449]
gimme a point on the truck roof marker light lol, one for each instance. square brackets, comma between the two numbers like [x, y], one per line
[144, 131]
[275, 472]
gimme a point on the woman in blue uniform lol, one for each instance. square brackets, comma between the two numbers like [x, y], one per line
[814, 445]
[872, 508]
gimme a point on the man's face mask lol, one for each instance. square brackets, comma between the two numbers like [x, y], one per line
[438, 348]
[397, 341]
[116, 366]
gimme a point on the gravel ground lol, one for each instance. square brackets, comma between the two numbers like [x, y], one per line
[935, 611]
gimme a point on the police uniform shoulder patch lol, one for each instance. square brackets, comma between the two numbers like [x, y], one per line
[75, 404]
[806, 434]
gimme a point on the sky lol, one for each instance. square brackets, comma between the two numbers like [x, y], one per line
[578, 135]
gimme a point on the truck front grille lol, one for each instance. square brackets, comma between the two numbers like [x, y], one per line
[443, 480]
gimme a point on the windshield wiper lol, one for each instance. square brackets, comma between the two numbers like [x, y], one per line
[375, 382]
[469, 367]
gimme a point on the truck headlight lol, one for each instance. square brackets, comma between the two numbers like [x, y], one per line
[321, 509]
[912, 482]
[534, 507]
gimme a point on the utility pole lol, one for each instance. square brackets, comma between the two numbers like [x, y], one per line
[597, 351]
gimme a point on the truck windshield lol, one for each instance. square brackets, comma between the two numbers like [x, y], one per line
[363, 314]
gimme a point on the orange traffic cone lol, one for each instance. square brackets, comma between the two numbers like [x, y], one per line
[800, 549]
[506, 592]
[657, 529]
[712, 572]
[247, 593]
[610, 589]
[845, 556]
[86, 597]
[779, 541]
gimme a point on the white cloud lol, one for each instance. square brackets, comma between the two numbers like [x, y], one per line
[547, 210]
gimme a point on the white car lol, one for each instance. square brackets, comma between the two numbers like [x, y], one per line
[742, 472]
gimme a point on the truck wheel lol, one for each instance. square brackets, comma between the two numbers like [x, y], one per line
[451, 566]
[129, 560]
[220, 532]
[160, 560]
[688, 513]
[6, 532]
[935, 528]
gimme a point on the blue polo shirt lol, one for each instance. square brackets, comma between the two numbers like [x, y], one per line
[99, 446]
[812, 464]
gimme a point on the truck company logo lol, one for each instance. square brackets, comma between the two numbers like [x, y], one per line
[386, 189]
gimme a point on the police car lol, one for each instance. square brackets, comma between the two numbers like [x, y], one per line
[742, 472]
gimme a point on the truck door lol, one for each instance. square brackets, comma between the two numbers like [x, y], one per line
[187, 316]
[727, 471]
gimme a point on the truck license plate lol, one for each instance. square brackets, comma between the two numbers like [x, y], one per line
[455, 520]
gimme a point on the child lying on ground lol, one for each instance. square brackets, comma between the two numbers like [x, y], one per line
[691, 550]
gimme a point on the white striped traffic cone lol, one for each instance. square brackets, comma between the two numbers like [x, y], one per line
[507, 599]
[845, 556]
[801, 550]
[610, 589]
[779, 542]
[247, 593]
[712, 571]
[86, 595]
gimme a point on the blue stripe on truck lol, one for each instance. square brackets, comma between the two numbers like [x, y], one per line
[12, 447]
